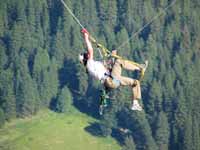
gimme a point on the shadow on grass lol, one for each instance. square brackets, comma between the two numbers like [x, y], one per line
[94, 129]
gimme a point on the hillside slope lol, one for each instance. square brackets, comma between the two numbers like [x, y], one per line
[52, 131]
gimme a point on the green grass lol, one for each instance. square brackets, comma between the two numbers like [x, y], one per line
[51, 131]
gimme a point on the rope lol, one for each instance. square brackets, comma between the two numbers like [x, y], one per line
[100, 53]
[154, 18]
[69, 10]
[105, 51]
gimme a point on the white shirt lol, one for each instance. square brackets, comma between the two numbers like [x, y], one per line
[96, 69]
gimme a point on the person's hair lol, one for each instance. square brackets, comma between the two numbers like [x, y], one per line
[84, 58]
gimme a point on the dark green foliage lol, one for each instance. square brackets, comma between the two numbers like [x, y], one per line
[108, 122]
[2, 118]
[27, 97]
[7, 97]
[161, 134]
[40, 43]
[45, 74]
[122, 35]
[129, 144]
[83, 80]
[63, 102]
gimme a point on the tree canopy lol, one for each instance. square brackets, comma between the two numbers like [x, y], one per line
[40, 43]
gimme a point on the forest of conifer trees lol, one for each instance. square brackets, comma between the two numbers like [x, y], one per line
[39, 67]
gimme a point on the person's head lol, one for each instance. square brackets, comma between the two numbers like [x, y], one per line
[83, 57]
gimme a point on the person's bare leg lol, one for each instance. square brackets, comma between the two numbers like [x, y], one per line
[125, 81]
[136, 91]
[136, 96]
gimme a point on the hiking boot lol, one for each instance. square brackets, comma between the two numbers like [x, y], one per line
[136, 106]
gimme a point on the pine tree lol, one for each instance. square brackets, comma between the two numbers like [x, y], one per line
[162, 131]
[27, 97]
[151, 53]
[39, 44]
[30, 12]
[2, 117]
[108, 122]
[125, 50]
[91, 21]
[3, 23]
[3, 56]
[179, 117]
[140, 128]
[107, 12]
[64, 101]
[195, 134]
[45, 21]
[8, 102]
[82, 79]
[45, 74]
[129, 144]
[57, 50]
[109, 37]
[153, 103]
[168, 83]
[187, 143]
[131, 21]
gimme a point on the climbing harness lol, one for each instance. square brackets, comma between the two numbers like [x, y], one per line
[104, 52]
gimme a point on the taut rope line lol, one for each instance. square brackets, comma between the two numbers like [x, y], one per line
[142, 28]
[69, 10]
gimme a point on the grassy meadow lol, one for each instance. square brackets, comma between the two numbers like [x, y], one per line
[52, 131]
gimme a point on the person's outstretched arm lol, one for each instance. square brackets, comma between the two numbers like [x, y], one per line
[88, 43]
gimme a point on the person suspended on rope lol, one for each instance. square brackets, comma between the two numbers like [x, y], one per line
[112, 79]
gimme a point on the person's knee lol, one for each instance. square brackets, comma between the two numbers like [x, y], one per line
[136, 83]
